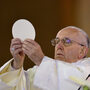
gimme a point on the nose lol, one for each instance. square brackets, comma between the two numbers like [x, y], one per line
[60, 45]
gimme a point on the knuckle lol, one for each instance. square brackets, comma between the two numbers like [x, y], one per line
[33, 52]
[37, 47]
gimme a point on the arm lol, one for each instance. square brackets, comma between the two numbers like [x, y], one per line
[16, 78]
[10, 79]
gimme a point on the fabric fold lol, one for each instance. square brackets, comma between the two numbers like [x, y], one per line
[12, 80]
[46, 75]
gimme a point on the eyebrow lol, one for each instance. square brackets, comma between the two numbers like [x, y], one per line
[64, 37]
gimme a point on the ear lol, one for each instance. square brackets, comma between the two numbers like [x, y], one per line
[83, 52]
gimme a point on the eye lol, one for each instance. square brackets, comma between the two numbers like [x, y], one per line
[68, 41]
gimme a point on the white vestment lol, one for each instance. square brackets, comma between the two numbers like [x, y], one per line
[49, 75]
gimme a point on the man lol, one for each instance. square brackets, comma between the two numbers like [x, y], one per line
[67, 71]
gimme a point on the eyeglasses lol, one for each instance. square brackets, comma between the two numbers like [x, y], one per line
[66, 41]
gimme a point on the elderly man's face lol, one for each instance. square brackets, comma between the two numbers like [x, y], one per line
[74, 51]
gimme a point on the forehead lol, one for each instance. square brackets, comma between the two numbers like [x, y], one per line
[71, 33]
[67, 32]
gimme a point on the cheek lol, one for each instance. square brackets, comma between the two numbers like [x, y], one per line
[55, 50]
[72, 52]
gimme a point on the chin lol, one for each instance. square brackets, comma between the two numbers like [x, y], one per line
[60, 58]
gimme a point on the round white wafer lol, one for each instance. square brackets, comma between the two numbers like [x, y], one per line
[23, 29]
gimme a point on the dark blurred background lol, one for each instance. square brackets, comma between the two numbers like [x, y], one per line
[47, 16]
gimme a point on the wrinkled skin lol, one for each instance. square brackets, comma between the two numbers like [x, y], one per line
[29, 47]
[73, 52]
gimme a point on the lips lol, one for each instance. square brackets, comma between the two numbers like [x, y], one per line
[60, 54]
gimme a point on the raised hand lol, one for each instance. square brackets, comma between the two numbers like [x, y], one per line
[33, 50]
[17, 53]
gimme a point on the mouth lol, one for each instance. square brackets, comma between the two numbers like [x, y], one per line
[59, 54]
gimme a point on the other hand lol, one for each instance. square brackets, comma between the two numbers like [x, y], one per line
[33, 50]
[17, 53]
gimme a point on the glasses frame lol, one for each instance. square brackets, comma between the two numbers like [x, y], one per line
[52, 41]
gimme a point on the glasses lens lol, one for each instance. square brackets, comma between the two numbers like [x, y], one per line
[66, 41]
[55, 41]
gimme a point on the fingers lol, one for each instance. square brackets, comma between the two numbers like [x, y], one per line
[31, 41]
[30, 46]
[27, 45]
[15, 44]
[15, 47]
[17, 51]
[15, 41]
[25, 51]
[33, 50]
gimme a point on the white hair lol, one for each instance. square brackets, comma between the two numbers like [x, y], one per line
[82, 31]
